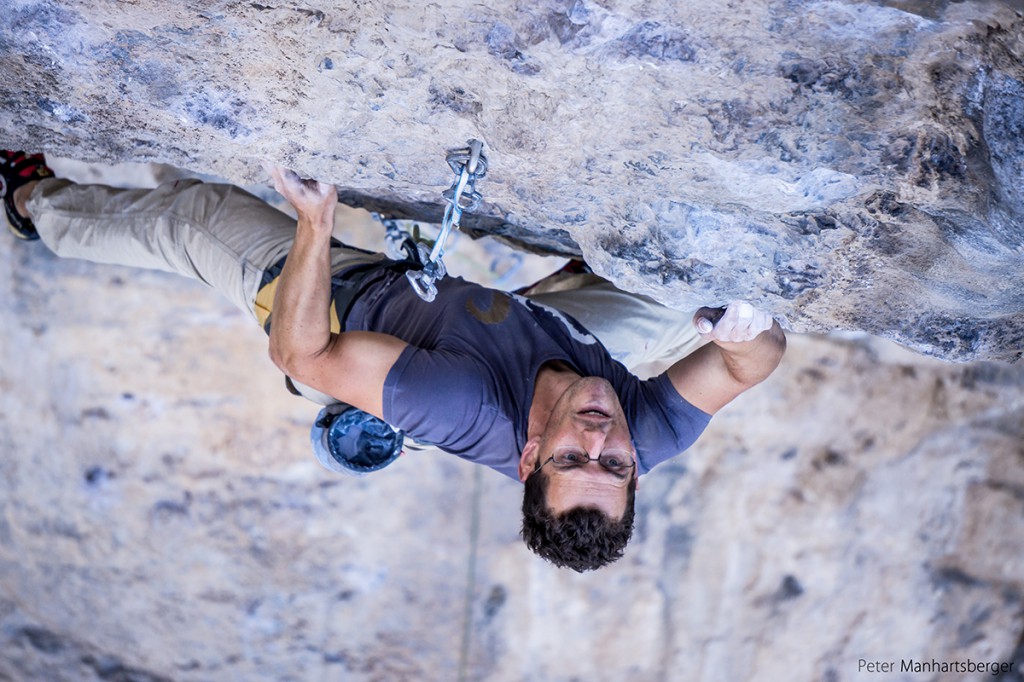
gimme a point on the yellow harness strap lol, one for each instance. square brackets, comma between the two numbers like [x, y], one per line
[265, 305]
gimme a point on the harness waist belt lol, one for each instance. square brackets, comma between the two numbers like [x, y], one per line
[346, 286]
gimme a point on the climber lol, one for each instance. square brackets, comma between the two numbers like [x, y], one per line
[492, 377]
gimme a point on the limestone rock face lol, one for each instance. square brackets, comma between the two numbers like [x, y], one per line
[849, 165]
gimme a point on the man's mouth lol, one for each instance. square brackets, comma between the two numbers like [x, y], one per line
[593, 412]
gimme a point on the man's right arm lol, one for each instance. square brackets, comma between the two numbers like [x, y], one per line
[746, 346]
[350, 366]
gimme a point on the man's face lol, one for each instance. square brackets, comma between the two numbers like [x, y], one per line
[589, 419]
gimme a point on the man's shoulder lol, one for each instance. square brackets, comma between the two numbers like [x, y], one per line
[663, 423]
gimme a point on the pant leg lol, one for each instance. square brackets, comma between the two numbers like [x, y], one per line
[639, 332]
[218, 234]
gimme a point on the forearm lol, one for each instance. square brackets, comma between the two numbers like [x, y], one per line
[750, 362]
[350, 366]
[746, 346]
[300, 327]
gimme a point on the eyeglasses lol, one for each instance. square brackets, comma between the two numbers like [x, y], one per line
[618, 462]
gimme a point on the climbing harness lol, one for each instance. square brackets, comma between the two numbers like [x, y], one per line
[469, 165]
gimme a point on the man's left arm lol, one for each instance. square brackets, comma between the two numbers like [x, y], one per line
[351, 366]
[746, 346]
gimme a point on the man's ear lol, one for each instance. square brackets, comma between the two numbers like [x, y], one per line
[528, 460]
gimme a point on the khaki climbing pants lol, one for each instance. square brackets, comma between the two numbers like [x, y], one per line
[225, 237]
[218, 234]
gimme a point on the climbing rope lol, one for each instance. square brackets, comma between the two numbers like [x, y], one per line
[469, 165]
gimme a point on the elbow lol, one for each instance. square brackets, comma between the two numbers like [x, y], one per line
[780, 340]
[764, 359]
[296, 362]
[295, 367]
[774, 351]
[281, 359]
[284, 358]
[774, 354]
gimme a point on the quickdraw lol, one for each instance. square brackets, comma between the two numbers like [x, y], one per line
[469, 165]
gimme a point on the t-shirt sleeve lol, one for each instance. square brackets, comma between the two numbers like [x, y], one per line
[663, 423]
[437, 397]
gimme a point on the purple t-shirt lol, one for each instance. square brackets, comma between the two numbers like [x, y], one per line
[465, 383]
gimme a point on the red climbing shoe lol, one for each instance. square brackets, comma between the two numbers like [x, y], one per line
[17, 169]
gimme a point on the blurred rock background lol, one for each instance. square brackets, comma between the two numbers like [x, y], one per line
[855, 166]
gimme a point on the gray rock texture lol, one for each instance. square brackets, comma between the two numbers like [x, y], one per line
[849, 165]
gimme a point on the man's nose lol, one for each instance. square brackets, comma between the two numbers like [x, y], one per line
[594, 438]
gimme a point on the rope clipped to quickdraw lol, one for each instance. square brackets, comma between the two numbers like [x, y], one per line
[469, 165]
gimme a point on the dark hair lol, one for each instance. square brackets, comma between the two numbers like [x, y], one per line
[580, 538]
